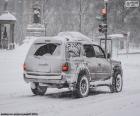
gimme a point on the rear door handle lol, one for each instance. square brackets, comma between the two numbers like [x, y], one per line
[99, 64]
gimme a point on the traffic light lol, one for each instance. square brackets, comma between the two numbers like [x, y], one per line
[104, 14]
[102, 28]
[104, 11]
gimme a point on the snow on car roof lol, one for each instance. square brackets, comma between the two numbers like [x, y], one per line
[47, 39]
[76, 36]
[64, 37]
[73, 36]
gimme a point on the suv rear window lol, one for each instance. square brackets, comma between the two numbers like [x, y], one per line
[50, 49]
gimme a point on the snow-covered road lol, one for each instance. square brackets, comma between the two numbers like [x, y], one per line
[16, 97]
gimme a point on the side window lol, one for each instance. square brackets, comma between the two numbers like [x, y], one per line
[73, 49]
[89, 51]
[99, 52]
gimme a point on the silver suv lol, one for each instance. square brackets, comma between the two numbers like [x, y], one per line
[70, 60]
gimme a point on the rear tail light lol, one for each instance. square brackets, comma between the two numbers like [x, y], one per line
[65, 67]
[24, 67]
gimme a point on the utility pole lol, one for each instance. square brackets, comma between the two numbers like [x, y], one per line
[103, 26]
[105, 22]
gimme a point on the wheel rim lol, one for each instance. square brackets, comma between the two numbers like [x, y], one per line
[84, 86]
[119, 82]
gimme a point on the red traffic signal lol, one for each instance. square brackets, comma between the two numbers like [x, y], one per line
[104, 11]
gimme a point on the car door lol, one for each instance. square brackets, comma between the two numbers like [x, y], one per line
[103, 65]
[90, 60]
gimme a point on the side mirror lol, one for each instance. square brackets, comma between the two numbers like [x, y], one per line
[108, 55]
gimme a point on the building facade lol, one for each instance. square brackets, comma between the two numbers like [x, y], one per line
[29, 19]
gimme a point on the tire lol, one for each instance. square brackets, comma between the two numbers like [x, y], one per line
[82, 87]
[39, 90]
[117, 83]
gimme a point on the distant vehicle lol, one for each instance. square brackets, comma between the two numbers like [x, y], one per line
[70, 60]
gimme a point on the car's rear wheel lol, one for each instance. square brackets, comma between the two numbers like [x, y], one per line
[117, 83]
[38, 90]
[82, 87]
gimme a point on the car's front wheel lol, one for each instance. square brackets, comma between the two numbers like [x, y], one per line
[117, 83]
[82, 87]
[37, 89]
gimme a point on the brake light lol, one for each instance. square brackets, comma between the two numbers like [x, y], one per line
[65, 67]
[24, 67]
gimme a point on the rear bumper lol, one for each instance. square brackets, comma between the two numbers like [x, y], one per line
[42, 80]
[41, 76]
[51, 81]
